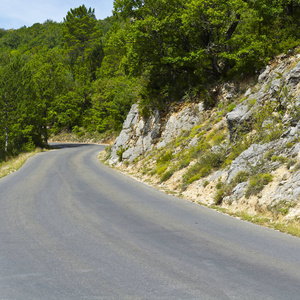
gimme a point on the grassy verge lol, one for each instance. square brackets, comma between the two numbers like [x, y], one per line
[13, 164]
[291, 227]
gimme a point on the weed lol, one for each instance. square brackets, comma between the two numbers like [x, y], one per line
[223, 191]
[184, 163]
[281, 207]
[219, 138]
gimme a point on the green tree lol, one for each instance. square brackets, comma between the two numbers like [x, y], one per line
[15, 131]
[50, 81]
[81, 34]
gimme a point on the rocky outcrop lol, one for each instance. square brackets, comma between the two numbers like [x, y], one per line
[185, 119]
[137, 137]
[140, 135]
[278, 83]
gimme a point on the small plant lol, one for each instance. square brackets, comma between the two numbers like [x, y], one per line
[166, 176]
[291, 162]
[241, 176]
[161, 169]
[297, 167]
[282, 207]
[231, 107]
[165, 158]
[223, 191]
[289, 144]
[184, 163]
[281, 159]
[269, 154]
[252, 102]
[257, 183]
[120, 153]
[219, 185]
[205, 183]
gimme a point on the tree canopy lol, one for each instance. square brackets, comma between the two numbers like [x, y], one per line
[83, 74]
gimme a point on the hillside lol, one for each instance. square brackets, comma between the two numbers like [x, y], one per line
[79, 78]
[241, 157]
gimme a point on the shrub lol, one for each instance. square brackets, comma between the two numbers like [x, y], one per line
[291, 162]
[120, 153]
[241, 176]
[205, 183]
[231, 107]
[165, 157]
[257, 184]
[184, 163]
[281, 159]
[161, 169]
[297, 167]
[166, 176]
[222, 192]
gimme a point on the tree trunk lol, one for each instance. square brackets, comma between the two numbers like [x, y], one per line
[5, 127]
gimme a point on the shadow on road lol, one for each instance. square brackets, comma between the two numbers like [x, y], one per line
[66, 145]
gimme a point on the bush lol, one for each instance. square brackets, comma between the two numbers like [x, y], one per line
[161, 170]
[166, 176]
[120, 153]
[281, 159]
[222, 192]
[231, 107]
[165, 158]
[291, 162]
[241, 176]
[184, 163]
[257, 184]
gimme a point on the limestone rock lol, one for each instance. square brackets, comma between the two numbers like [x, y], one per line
[239, 119]
[186, 119]
[250, 158]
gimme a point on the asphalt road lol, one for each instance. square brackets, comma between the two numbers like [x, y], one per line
[71, 228]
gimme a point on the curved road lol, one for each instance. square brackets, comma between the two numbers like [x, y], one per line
[71, 228]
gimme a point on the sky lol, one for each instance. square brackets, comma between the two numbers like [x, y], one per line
[15, 14]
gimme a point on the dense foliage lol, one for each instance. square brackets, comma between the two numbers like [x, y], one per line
[83, 74]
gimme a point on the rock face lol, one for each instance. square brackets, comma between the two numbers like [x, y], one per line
[239, 119]
[139, 136]
[279, 84]
[186, 119]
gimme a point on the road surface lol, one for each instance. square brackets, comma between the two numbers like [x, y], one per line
[71, 228]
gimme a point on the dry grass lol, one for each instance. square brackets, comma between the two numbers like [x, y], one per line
[291, 227]
[13, 164]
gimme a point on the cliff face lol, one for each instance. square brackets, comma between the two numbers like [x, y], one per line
[242, 155]
[139, 136]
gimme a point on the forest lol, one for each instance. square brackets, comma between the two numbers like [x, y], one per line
[83, 75]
